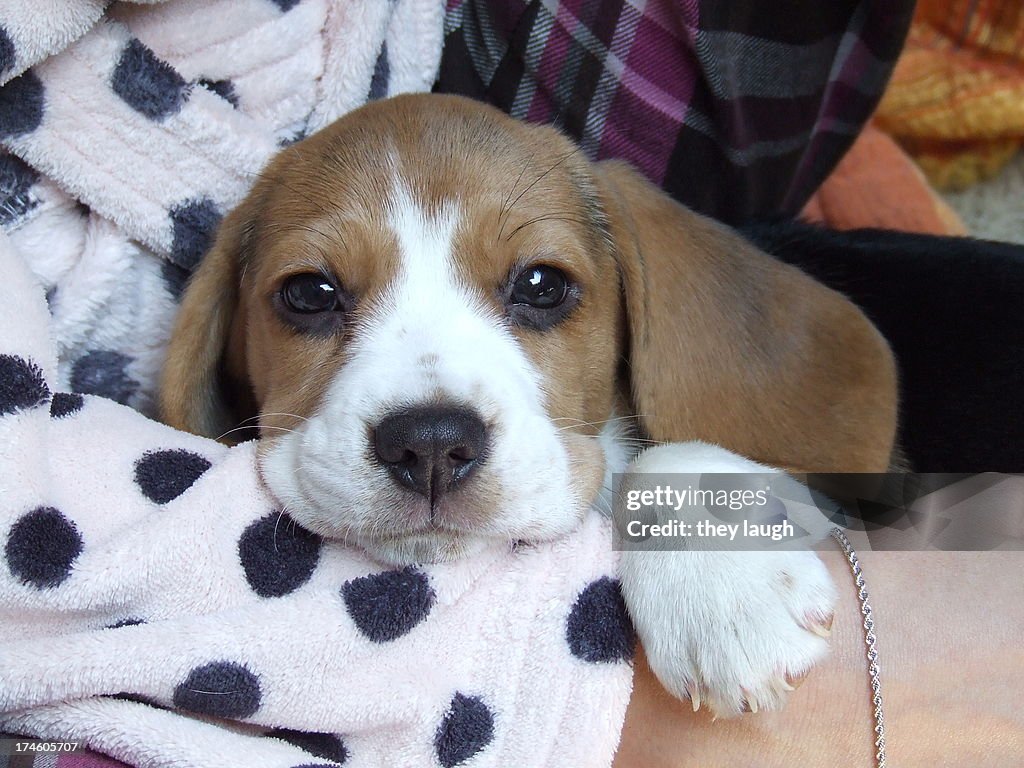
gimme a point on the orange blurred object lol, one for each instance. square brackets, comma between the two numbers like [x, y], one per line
[877, 185]
[956, 98]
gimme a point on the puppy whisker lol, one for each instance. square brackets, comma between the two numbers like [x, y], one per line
[534, 183]
[550, 217]
[256, 427]
[511, 192]
[598, 423]
[601, 504]
[577, 423]
[277, 524]
[282, 413]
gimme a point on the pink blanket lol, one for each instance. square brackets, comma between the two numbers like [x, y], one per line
[157, 606]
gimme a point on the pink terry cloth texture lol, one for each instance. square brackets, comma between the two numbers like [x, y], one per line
[158, 607]
[155, 603]
[130, 128]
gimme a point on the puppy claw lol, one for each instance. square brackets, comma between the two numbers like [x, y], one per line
[694, 693]
[822, 627]
[751, 634]
[782, 685]
[749, 702]
[821, 630]
[795, 681]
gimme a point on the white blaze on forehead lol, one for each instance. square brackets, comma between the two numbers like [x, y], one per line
[425, 246]
[432, 334]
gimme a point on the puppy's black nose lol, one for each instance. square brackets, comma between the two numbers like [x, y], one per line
[431, 449]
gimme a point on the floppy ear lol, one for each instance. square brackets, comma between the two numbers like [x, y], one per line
[203, 388]
[730, 346]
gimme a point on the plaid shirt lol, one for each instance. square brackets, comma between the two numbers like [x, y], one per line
[737, 109]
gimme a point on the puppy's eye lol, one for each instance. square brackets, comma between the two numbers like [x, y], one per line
[313, 303]
[540, 297]
[309, 293]
[540, 286]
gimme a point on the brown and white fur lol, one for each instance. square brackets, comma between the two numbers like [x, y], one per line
[421, 212]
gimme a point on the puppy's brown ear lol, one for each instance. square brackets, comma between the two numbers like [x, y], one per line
[198, 392]
[730, 346]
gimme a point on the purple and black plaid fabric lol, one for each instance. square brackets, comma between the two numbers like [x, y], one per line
[738, 109]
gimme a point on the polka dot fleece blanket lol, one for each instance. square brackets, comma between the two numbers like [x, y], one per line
[156, 606]
[131, 127]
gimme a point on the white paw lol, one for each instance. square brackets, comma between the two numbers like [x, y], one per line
[729, 630]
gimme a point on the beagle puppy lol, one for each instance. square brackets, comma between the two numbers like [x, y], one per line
[446, 324]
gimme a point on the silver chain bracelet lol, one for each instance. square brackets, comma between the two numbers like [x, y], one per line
[869, 642]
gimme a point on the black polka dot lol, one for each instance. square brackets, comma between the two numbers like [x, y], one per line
[147, 84]
[221, 689]
[194, 224]
[381, 75]
[223, 88]
[285, 5]
[104, 372]
[175, 278]
[467, 728]
[278, 555]
[165, 475]
[325, 745]
[599, 628]
[22, 385]
[65, 404]
[8, 54]
[16, 181]
[21, 105]
[41, 548]
[387, 605]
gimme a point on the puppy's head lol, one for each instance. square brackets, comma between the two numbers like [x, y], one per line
[430, 308]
